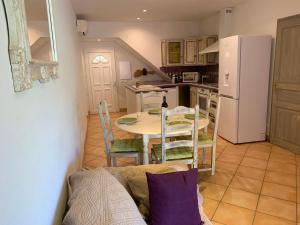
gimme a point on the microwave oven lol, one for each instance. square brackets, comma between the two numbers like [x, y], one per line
[188, 77]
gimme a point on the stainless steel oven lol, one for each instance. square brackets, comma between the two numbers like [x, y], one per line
[203, 100]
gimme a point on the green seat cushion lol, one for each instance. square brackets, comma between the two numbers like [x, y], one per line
[186, 137]
[127, 145]
[174, 153]
[192, 116]
[203, 139]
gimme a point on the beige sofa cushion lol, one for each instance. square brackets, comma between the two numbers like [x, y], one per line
[139, 188]
[97, 198]
[122, 174]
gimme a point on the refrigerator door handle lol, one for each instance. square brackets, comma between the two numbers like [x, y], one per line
[227, 76]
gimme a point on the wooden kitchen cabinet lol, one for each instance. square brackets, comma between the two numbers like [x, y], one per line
[201, 46]
[193, 97]
[172, 52]
[164, 45]
[172, 97]
[208, 58]
[176, 52]
[190, 51]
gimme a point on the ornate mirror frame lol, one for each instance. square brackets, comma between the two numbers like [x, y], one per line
[24, 69]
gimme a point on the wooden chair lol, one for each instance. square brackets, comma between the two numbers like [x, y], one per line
[151, 100]
[206, 115]
[132, 148]
[206, 142]
[184, 150]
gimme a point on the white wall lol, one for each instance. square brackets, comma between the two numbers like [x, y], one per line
[210, 25]
[121, 54]
[254, 17]
[41, 131]
[260, 16]
[144, 37]
[37, 29]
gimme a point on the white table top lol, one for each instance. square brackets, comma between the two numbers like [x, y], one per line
[151, 124]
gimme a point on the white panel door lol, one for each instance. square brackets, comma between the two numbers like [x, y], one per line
[229, 64]
[228, 122]
[101, 80]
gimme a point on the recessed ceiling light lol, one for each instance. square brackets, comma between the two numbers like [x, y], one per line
[99, 39]
[145, 10]
[138, 18]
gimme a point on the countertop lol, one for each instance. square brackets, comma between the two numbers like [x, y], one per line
[167, 84]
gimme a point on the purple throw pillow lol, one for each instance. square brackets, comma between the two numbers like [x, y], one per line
[173, 198]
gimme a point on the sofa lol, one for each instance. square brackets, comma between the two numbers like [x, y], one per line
[102, 196]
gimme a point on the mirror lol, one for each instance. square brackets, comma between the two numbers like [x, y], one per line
[32, 46]
[38, 30]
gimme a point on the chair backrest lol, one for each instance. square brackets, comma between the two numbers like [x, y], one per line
[151, 100]
[214, 109]
[167, 128]
[206, 113]
[106, 125]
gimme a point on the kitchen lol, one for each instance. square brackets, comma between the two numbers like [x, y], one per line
[79, 146]
[238, 67]
[193, 68]
[192, 75]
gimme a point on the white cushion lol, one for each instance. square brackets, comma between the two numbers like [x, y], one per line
[97, 198]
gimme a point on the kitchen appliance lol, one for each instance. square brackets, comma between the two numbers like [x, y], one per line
[188, 77]
[203, 100]
[243, 86]
[213, 108]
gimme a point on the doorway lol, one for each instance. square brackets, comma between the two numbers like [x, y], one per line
[100, 68]
[285, 119]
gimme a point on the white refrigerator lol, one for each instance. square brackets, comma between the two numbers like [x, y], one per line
[244, 72]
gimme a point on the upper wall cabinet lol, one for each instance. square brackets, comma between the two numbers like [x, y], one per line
[186, 52]
[190, 51]
[172, 52]
[32, 45]
[208, 58]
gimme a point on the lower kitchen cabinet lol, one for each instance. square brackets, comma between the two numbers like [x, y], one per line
[172, 97]
[193, 96]
[133, 99]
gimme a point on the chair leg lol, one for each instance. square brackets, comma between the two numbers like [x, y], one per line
[108, 158]
[114, 161]
[137, 160]
[195, 164]
[141, 158]
[213, 160]
[203, 156]
[153, 158]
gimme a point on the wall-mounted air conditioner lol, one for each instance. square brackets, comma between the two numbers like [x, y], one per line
[82, 26]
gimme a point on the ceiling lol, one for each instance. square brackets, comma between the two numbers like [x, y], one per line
[157, 10]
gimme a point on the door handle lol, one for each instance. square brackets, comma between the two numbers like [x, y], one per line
[226, 76]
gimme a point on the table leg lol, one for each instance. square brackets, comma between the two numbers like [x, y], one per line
[145, 151]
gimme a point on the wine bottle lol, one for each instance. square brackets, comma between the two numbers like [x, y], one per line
[164, 103]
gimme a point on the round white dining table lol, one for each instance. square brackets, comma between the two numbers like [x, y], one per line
[149, 126]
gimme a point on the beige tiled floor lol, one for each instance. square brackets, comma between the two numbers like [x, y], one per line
[255, 183]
